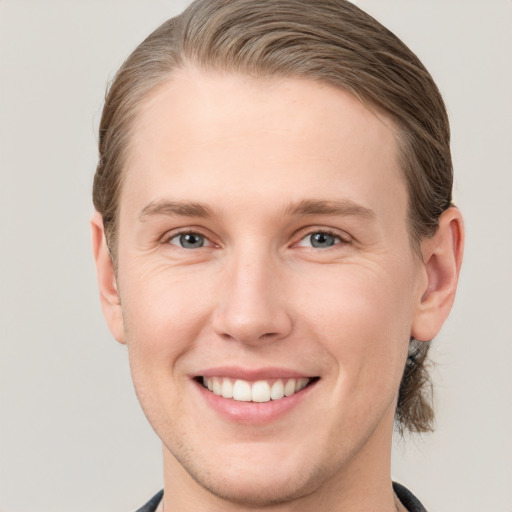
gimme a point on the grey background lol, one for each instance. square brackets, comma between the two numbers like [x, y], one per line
[72, 436]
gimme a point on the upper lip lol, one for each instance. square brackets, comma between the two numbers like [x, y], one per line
[252, 374]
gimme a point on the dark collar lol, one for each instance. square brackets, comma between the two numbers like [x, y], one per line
[409, 501]
[153, 503]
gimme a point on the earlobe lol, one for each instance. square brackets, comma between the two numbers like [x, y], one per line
[107, 282]
[442, 259]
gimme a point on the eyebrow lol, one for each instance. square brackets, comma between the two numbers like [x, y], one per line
[175, 208]
[344, 207]
[304, 207]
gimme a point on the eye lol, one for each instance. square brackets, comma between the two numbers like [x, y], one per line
[320, 240]
[189, 241]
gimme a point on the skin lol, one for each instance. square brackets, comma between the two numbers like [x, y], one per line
[258, 294]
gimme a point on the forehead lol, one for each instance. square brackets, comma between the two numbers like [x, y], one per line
[191, 101]
[262, 136]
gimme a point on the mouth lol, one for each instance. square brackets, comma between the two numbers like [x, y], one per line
[258, 391]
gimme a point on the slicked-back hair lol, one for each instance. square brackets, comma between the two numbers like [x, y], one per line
[330, 41]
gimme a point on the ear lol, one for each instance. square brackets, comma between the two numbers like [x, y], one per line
[442, 259]
[107, 283]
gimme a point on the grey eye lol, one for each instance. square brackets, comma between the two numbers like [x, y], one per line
[319, 240]
[322, 240]
[189, 240]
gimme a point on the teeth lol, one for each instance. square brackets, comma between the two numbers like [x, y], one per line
[227, 388]
[301, 383]
[259, 391]
[277, 390]
[242, 391]
[217, 386]
[289, 388]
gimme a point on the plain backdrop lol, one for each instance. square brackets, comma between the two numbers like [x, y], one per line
[72, 436]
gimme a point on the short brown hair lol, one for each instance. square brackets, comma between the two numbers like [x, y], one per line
[331, 41]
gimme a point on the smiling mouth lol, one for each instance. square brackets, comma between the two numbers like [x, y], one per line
[258, 391]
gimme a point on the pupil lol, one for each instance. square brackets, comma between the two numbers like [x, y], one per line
[322, 240]
[190, 240]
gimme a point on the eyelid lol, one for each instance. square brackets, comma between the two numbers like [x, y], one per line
[303, 233]
[191, 230]
[206, 241]
[343, 236]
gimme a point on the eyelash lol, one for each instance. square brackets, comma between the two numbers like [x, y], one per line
[306, 232]
[341, 239]
[169, 238]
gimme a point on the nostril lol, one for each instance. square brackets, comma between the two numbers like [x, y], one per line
[268, 335]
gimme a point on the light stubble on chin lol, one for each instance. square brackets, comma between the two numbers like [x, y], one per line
[300, 485]
[325, 477]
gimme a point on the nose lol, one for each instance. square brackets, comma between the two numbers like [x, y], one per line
[252, 303]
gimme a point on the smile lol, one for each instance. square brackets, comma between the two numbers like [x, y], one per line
[258, 391]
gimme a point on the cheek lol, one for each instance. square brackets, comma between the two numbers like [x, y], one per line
[363, 315]
[164, 312]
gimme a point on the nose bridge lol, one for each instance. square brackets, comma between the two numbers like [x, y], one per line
[251, 306]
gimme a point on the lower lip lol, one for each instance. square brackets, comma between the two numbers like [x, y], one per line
[253, 413]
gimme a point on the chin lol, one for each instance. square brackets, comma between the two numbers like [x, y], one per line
[252, 489]
[250, 483]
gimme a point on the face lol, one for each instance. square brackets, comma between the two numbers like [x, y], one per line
[264, 253]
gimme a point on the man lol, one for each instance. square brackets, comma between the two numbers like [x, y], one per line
[276, 245]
